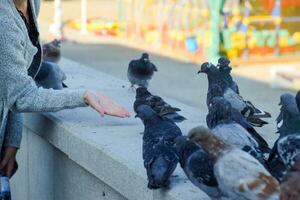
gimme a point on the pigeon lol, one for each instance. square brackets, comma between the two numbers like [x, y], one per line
[288, 123]
[140, 71]
[236, 117]
[225, 69]
[197, 165]
[221, 121]
[159, 152]
[248, 110]
[290, 187]
[51, 51]
[239, 175]
[50, 76]
[144, 97]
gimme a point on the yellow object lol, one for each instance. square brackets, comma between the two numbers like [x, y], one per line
[238, 40]
[233, 53]
[252, 42]
[284, 42]
[246, 21]
[296, 37]
[207, 39]
[278, 20]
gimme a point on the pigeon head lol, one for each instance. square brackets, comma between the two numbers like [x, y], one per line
[288, 121]
[145, 57]
[207, 68]
[147, 115]
[298, 100]
[223, 61]
[213, 145]
[223, 64]
[142, 92]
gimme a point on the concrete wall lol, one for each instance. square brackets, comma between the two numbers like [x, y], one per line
[75, 154]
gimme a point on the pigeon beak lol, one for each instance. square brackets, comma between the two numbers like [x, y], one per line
[201, 71]
[136, 116]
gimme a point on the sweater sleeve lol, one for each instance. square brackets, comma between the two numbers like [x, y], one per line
[18, 89]
[13, 131]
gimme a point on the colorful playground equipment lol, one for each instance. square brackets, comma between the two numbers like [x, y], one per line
[236, 28]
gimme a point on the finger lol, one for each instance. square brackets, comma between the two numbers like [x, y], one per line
[99, 109]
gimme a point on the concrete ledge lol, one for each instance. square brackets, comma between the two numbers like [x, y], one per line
[75, 154]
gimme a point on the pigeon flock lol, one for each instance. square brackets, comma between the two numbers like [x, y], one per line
[228, 159]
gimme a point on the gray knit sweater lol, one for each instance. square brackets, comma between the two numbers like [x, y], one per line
[18, 92]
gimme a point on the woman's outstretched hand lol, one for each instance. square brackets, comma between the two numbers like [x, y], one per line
[104, 105]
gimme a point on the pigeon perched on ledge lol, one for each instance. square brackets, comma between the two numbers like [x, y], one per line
[239, 175]
[163, 109]
[288, 124]
[221, 121]
[196, 164]
[159, 153]
[140, 71]
[236, 117]
[246, 108]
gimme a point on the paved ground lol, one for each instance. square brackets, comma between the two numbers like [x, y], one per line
[174, 79]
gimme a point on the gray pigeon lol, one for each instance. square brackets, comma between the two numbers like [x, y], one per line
[239, 175]
[50, 76]
[159, 153]
[225, 70]
[140, 71]
[144, 97]
[220, 120]
[197, 165]
[288, 123]
[246, 108]
[236, 117]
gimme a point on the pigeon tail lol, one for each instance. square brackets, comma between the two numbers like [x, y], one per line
[256, 122]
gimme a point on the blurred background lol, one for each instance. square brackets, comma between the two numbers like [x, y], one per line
[196, 29]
